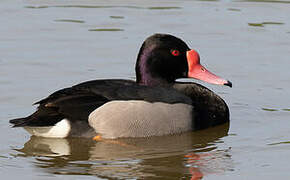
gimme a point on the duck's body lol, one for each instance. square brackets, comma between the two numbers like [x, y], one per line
[154, 105]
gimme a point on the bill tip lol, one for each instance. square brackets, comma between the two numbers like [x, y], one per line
[228, 83]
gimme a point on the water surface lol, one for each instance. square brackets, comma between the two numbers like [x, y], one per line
[48, 45]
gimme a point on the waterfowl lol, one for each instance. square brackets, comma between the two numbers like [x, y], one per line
[153, 105]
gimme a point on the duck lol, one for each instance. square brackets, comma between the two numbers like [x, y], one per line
[155, 104]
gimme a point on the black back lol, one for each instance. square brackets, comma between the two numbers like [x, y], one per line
[77, 102]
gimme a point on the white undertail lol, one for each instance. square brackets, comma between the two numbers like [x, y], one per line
[59, 130]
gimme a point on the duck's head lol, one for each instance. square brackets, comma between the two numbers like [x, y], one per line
[163, 58]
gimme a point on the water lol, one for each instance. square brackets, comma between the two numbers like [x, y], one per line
[48, 45]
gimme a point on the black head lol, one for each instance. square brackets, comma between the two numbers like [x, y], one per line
[163, 58]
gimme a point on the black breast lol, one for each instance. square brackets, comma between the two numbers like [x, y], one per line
[210, 109]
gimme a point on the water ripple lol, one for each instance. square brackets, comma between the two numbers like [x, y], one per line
[106, 29]
[69, 20]
[96, 6]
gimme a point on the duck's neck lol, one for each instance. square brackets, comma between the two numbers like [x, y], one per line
[145, 77]
[144, 74]
[150, 81]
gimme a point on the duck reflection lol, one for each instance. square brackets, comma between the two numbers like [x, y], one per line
[186, 155]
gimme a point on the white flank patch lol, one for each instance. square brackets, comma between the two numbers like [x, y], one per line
[59, 130]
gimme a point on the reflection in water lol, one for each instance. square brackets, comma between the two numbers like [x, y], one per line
[180, 156]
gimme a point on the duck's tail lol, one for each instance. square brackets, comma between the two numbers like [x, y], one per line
[19, 122]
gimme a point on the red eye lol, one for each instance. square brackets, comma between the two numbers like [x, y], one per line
[175, 52]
